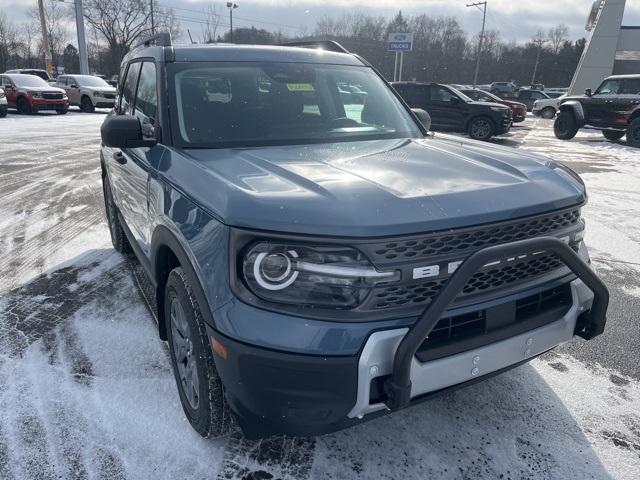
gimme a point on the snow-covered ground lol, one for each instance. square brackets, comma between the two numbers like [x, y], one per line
[86, 389]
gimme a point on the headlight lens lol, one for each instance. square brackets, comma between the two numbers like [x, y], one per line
[499, 109]
[2, 94]
[319, 276]
[36, 94]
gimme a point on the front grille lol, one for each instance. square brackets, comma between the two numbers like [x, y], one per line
[452, 335]
[52, 96]
[471, 239]
[420, 293]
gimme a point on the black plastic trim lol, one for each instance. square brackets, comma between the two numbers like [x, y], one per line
[398, 386]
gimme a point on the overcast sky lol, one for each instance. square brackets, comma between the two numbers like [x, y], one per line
[516, 19]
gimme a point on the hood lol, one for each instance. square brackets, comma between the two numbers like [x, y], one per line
[371, 188]
[486, 104]
[511, 104]
[106, 88]
[43, 89]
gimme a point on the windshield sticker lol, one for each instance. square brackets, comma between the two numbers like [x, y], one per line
[300, 87]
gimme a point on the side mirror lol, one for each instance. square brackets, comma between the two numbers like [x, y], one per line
[455, 100]
[423, 116]
[123, 131]
[73, 85]
[588, 92]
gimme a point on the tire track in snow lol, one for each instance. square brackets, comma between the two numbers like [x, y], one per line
[281, 458]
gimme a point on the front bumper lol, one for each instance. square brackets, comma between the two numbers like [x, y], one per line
[275, 392]
[41, 104]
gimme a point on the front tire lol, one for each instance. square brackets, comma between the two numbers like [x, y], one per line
[613, 135]
[23, 106]
[3, 112]
[118, 237]
[548, 113]
[199, 385]
[62, 112]
[565, 126]
[633, 133]
[481, 128]
[86, 105]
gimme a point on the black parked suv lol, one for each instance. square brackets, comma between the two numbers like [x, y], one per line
[315, 261]
[613, 108]
[452, 110]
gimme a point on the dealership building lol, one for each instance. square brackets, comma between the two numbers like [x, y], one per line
[611, 48]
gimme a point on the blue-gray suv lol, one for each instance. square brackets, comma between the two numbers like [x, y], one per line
[316, 260]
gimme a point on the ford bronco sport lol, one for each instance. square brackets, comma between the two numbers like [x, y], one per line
[613, 108]
[314, 264]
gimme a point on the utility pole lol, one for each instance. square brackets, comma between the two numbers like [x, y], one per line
[82, 41]
[484, 19]
[45, 39]
[153, 22]
[539, 41]
[231, 6]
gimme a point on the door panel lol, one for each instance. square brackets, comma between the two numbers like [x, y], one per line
[448, 109]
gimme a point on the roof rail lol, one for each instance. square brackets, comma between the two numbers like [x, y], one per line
[162, 39]
[330, 45]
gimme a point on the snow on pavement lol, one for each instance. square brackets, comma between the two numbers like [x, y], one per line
[86, 388]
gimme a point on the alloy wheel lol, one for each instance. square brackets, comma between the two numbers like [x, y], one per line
[184, 354]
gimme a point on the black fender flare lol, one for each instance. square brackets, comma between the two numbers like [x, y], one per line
[165, 240]
[575, 108]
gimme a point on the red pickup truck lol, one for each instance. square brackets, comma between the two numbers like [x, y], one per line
[30, 94]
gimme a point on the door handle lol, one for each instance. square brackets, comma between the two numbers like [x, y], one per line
[120, 158]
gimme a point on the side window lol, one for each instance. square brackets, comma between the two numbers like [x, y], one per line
[525, 95]
[632, 86]
[129, 89]
[441, 94]
[146, 105]
[609, 87]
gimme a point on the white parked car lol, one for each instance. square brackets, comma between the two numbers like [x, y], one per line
[3, 104]
[547, 107]
[87, 91]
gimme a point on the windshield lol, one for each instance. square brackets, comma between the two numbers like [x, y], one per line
[251, 104]
[28, 81]
[91, 82]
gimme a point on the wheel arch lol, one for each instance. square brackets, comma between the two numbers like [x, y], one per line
[574, 107]
[167, 253]
[478, 116]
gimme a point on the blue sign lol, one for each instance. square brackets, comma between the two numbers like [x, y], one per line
[400, 42]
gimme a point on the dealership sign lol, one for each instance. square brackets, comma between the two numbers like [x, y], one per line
[400, 42]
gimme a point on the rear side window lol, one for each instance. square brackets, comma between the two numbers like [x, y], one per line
[146, 105]
[632, 86]
[129, 89]
[414, 95]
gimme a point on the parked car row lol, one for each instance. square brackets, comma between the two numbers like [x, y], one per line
[452, 110]
[29, 93]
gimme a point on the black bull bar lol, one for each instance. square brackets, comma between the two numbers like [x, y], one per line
[398, 385]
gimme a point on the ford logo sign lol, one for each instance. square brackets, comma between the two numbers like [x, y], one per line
[400, 36]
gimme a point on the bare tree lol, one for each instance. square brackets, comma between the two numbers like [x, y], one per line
[120, 23]
[557, 36]
[8, 41]
[57, 18]
[29, 34]
[210, 27]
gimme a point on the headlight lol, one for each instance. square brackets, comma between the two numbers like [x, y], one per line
[36, 94]
[499, 109]
[310, 275]
[2, 94]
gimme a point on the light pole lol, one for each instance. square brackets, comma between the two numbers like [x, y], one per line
[484, 18]
[231, 6]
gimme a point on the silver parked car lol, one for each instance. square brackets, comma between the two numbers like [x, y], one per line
[87, 91]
